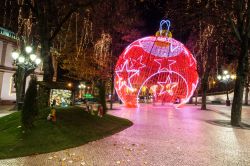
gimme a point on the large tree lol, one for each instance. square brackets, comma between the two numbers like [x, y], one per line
[195, 25]
[49, 17]
[39, 22]
[233, 14]
[122, 21]
[91, 54]
[240, 22]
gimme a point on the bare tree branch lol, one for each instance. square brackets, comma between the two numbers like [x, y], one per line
[236, 31]
[67, 16]
[33, 9]
[59, 26]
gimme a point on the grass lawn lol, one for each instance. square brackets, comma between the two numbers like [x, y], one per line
[73, 127]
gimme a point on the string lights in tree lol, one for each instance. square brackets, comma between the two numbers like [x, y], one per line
[158, 65]
[102, 50]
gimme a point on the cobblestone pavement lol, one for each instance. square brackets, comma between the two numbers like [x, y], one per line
[160, 136]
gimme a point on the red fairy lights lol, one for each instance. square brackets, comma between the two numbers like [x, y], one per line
[156, 66]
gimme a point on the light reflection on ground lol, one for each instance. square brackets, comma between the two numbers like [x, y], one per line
[160, 136]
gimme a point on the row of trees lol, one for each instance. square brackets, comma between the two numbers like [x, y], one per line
[89, 35]
[95, 38]
[84, 36]
[37, 23]
[219, 31]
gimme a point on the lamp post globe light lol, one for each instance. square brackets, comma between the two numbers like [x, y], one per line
[82, 87]
[226, 78]
[26, 62]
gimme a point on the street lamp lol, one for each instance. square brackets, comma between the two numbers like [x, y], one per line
[226, 78]
[69, 84]
[26, 61]
[82, 87]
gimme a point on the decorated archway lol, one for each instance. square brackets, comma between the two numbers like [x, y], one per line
[159, 67]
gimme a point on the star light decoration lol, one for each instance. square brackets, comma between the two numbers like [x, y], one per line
[165, 64]
[167, 86]
[124, 75]
[158, 66]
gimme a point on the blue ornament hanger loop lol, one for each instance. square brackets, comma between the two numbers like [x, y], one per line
[168, 24]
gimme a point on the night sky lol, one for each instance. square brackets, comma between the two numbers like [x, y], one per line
[152, 14]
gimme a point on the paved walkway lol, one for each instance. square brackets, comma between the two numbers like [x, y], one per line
[159, 137]
[6, 110]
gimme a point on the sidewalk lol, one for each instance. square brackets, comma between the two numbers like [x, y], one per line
[6, 110]
[160, 136]
[226, 111]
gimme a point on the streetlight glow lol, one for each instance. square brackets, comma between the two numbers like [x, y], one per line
[226, 77]
[69, 84]
[219, 77]
[225, 72]
[33, 57]
[21, 59]
[38, 61]
[15, 55]
[233, 77]
[28, 49]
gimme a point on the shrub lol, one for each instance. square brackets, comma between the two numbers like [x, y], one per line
[102, 95]
[30, 108]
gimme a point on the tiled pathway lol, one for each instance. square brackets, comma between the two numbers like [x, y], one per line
[160, 136]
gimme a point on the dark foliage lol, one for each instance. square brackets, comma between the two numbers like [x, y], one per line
[102, 95]
[30, 108]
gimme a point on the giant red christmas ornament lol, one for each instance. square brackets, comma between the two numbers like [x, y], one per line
[156, 66]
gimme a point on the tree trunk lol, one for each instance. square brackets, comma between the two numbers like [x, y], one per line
[246, 95]
[45, 49]
[246, 90]
[242, 71]
[112, 90]
[47, 61]
[237, 101]
[196, 96]
[47, 67]
[102, 95]
[204, 85]
[197, 93]
[19, 84]
[44, 33]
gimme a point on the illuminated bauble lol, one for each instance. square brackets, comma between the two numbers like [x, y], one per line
[160, 67]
